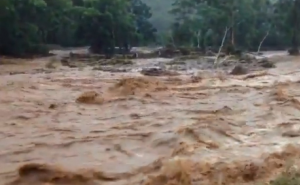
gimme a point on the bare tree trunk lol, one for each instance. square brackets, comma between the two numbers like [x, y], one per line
[222, 44]
[173, 42]
[232, 29]
[198, 38]
[258, 50]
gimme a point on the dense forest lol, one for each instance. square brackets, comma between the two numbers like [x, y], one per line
[28, 25]
[161, 17]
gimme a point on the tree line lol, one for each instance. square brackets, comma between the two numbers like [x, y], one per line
[27, 26]
[245, 23]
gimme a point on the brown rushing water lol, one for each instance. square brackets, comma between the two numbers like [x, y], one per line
[138, 130]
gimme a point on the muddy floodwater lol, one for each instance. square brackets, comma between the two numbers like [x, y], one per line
[77, 126]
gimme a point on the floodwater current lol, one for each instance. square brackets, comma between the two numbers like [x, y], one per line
[81, 126]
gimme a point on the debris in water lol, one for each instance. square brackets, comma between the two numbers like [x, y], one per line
[90, 97]
[239, 70]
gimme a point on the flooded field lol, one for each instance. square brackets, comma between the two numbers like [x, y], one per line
[77, 126]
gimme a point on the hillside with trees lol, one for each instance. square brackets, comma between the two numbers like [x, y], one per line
[27, 25]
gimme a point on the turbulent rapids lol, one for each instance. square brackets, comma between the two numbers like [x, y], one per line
[63, 125]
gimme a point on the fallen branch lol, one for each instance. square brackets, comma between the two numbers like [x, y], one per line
[222, 44]
[258, 50]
